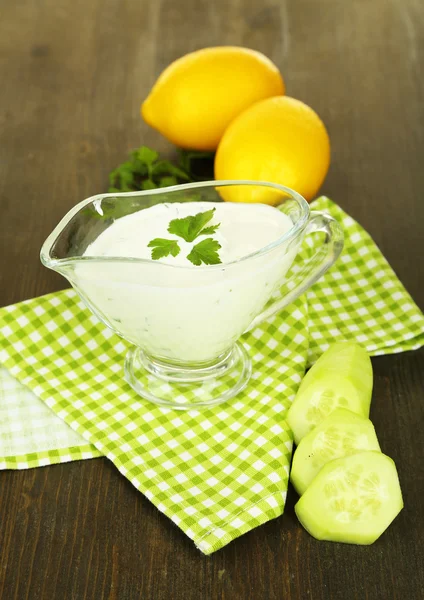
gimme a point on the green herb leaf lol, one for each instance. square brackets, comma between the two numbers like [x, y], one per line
[205, 252]
[146, 164]
[146, 155]
[165, 167]
[179, 172]
[148, 184]
[209, 230]
[138, 167]
[167, 181]
[162, 247]
[189, 228]
[122, 175]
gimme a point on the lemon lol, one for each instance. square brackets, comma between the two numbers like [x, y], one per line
[279, 140]
[196, 97]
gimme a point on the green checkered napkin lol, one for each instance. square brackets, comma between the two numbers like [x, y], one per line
[31, 435]
[218, 472]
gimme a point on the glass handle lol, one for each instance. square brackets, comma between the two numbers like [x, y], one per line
[312, 269]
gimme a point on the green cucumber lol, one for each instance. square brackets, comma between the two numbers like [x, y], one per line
[340, 434]
[352, 499]
[341, 378]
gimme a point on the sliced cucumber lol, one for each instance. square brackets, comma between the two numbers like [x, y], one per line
[352, 499]
[341, 378]
[340, 434]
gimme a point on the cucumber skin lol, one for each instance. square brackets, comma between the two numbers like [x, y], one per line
[364, 534]
[345, 418]
[334, 360]
[331, 369]
[296, 418]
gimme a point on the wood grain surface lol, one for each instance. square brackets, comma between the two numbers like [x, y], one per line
[73, 74]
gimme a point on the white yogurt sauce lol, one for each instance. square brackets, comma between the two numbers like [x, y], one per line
[190, 314]
[243, 229]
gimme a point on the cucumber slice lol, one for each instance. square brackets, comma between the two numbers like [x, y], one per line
[352, 499]
[341, 378]
[340, 434]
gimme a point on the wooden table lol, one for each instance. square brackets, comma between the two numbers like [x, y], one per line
[72, 78]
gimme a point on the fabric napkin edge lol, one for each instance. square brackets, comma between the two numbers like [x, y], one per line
[257, 513]
[44, 458]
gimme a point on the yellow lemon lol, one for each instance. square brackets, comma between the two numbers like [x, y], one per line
[279, 140]
[197, 96]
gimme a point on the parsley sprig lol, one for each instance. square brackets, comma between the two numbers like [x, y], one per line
[146, 170]
[162, 247]
[205, 252]
[189, 229]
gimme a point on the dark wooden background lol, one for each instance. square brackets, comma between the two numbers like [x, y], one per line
[73, 74]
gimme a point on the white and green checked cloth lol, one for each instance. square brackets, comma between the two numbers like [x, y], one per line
[219, 472]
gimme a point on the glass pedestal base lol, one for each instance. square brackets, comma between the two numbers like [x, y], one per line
[188, 388]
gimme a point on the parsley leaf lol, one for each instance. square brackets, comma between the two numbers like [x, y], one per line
[145, 163]
[205, 252]
[165, 167]
[125, 175]
[148, 184]
[209, 230]
[147, 155]
[162, 247]
[168, 180]
[145, 170]
[189, 228]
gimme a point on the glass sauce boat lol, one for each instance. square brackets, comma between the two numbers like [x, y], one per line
[185, 322]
